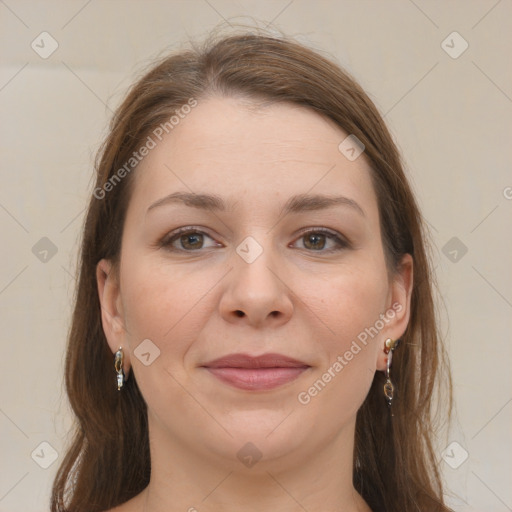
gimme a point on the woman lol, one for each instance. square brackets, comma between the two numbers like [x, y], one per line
[254, 326]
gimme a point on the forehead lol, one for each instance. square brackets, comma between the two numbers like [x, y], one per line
[231, 145]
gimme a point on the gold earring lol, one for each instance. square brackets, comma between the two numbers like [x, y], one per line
[389, 389]
[118, 365]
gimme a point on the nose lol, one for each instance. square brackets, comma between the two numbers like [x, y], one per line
[257, 293]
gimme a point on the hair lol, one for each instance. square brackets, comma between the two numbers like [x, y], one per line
[108, 461]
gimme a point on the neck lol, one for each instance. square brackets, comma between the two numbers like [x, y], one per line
[186, 480]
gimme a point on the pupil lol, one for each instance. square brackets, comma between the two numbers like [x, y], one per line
[315, 238]
[191, 237]
[188, 240]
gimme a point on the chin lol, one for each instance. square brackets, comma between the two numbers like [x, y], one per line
[270, 436]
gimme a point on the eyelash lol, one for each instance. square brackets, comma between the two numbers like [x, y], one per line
[171, 237]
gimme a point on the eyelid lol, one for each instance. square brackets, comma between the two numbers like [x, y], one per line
[319, 229]
[341, 241]
[165, 241]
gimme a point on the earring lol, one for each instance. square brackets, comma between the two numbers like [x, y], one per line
[118, 365]
[389, 347]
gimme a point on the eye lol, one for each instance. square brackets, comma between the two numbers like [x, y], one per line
[189, 239]
[316, 240]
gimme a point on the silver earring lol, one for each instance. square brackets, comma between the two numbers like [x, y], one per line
[389, 389]
[118, 365]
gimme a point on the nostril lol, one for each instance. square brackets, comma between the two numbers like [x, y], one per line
[239, 313]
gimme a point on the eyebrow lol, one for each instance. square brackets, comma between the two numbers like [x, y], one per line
[296, 204]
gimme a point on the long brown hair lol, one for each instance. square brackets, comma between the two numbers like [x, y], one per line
[108, 462]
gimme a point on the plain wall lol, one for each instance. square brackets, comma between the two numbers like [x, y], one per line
[451, 118]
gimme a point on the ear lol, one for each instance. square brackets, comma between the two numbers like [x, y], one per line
[112, 316]
[399, 307]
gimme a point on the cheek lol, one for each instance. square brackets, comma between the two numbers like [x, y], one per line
[164, 303]
[350, 300]
[165, 307]
[350, 305]
[149, 308]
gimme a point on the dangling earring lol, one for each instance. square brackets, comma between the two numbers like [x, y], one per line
[118, 365]
[389, 346]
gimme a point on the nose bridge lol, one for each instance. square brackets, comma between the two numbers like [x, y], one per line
[255, 262]
[255, 287]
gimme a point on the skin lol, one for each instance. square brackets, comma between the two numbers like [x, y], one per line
[297, 298]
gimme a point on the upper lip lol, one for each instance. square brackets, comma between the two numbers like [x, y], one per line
[248, 361]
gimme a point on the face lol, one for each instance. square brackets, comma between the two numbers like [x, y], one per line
[264, 268]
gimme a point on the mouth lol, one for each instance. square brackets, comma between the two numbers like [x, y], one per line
[258, 373]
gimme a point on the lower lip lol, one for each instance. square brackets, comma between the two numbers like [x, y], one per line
[255, 379]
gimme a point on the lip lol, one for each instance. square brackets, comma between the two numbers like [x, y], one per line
[255, 373]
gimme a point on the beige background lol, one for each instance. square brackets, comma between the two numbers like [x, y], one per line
[451, 118]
